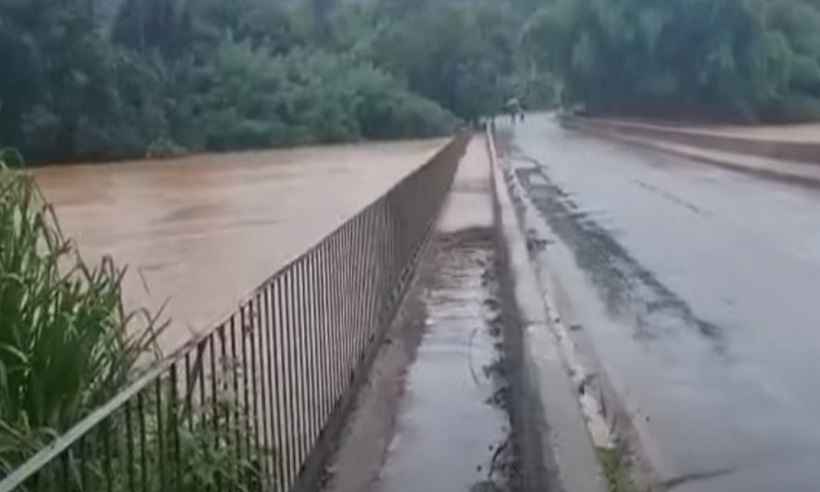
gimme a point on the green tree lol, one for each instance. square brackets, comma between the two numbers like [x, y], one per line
[718, 58]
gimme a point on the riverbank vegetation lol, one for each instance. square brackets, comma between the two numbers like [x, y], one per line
[742, 60]
[109, 79]
[65, 345]
[68, 346]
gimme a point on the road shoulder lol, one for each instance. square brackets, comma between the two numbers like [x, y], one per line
[551, 402]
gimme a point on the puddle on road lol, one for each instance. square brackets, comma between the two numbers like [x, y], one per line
[451, 430]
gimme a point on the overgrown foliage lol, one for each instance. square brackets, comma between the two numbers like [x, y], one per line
[65, 344]
[721, 59]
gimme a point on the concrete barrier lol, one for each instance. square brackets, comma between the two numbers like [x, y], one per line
[799, 173]
[807, 152]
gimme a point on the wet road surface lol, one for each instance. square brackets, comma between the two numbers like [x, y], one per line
[204, 231]
[431, 416]
[696, 288]
[447, 429]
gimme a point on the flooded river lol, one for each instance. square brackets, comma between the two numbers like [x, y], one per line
[203, 231]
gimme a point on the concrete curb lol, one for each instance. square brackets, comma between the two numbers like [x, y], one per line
[551, 408]
[790, 172]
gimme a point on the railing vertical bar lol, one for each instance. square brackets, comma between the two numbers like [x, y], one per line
[316, 333]
[378, 255]
[355, 274]
[83, 459]
[281, 383]
[109, 474]
[370, 251]
[364, 275]
[143, 443]
[358, 274]
[313, 366]
[341, 313]
[200, 409]
[237, 413]
[226, 367]
[160, 433]
[264, 368]
[290, 364]
[326, 327]
[320, 336]
[335, 343]
[65, 476]
[344, 331]
[302, 362]
[189, 404]
[129, 441]
[296, 340]
[214, 401]
[352, 279]
[246, 410]
[306, 363]
[316, 304]
[174, 425]
[270, 348]
[252, 338]
[378, 261]
[330, 323]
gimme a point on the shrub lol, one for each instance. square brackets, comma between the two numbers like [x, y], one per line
[256, 99]
[65, 342]
[67, 347]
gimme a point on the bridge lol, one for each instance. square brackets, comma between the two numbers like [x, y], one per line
[496, 311]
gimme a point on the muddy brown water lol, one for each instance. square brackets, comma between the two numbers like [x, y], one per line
[204, 231]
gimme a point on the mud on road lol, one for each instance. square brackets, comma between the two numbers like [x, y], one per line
[433, 414]
[691, 290]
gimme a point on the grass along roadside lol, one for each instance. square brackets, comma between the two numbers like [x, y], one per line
[617, 469]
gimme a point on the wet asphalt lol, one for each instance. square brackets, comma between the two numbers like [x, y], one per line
[697, 291]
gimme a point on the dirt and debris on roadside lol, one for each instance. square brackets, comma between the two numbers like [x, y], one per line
[434, 413]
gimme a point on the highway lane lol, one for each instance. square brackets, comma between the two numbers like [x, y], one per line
[697, 291]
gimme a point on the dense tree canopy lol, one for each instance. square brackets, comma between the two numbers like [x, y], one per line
[99, 79]
[739, 59]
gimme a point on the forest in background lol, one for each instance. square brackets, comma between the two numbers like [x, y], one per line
[110, 79]
[737, 60]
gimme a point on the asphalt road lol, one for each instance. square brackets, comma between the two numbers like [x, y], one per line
[697, 289]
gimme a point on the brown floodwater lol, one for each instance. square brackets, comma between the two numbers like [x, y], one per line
[202, 232]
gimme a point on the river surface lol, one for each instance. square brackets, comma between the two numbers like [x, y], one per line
[202, 232]
[697, 288]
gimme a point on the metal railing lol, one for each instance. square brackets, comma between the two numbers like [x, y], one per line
[255, 403]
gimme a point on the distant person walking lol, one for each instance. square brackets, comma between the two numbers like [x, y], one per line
[513, 108]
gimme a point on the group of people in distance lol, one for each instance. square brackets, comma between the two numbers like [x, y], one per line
[513, 108]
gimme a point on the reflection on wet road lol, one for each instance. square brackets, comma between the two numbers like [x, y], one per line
[696, 288]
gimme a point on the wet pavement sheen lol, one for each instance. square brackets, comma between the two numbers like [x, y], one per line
[697, 289]
[448, 424]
